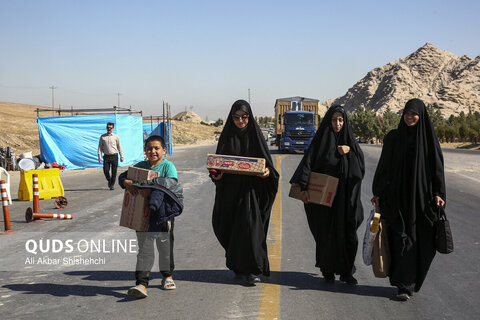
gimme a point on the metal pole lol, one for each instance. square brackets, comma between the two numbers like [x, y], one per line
[170, 142]
[167, 131]
[53, 98]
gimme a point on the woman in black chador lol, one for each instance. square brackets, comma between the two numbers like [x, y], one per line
[243, 203]
[335, 152]
[408, 184]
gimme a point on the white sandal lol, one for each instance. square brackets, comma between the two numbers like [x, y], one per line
[168, 284]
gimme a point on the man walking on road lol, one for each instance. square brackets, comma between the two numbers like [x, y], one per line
[109, 144]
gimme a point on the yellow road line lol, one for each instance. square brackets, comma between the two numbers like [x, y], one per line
[269, 304]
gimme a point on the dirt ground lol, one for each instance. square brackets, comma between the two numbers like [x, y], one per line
[19, 130]
[461, 145]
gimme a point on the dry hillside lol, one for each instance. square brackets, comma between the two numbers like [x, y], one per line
[188, 116]
[19, 130]
[193, 133]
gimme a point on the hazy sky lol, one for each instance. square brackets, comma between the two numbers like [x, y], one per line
[207, 54]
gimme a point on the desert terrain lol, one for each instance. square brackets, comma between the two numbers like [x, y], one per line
[19, 130]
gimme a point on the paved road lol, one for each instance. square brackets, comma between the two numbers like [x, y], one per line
[206, 290]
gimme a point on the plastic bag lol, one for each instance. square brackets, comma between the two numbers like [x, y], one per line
[371, 229]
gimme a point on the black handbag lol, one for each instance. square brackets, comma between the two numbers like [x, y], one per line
[443, 234]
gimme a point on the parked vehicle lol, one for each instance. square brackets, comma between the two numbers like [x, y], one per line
[298, 132]
[273, 141]
[266, 135]
[296, 123]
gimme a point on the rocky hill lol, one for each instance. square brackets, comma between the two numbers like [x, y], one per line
[438, 77]
[188, 116]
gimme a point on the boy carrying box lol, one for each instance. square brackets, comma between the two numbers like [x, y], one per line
[165, 201]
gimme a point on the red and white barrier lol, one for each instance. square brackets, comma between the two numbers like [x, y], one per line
[6, 213]
[36, 199]
[31, 216]
[35, 215]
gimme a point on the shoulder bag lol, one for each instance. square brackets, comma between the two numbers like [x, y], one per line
[443, 234]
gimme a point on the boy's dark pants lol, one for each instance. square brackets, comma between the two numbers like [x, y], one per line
[110, 160]
[146, 256]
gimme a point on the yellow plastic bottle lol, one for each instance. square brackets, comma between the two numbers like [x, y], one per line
[375, 221]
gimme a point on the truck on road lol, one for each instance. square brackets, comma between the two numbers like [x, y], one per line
[296, 123]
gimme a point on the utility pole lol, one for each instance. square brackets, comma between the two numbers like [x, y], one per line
[249, 95]
[53, 98]
[163, 115]
[167, 132]
[118, 104]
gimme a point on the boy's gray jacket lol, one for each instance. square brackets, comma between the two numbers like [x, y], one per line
[170, 184]
[165, 202]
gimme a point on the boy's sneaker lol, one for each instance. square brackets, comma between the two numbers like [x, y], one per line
[138, 292]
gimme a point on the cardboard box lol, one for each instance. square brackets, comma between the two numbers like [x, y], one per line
[321, 189]
[135, 212]
[236, 164]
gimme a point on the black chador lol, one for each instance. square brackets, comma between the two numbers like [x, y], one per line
[334, 228]
[409, 176]
[243, 203]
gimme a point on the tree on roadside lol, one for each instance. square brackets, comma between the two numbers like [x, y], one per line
[436, 115]
[440, 133]
[462, 132]
[471, 135]
[364, 123]
[218, 123]
[464, 127]
[388, 121]
[450, 134]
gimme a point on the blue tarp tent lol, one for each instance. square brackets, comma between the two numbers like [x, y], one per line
[73, 141]
[152, 128]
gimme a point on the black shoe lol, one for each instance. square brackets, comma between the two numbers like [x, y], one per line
[253, 279]
[349, 279]
[329, 277]
[112, 188]
[238, 276]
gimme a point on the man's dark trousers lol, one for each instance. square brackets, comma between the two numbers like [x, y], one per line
[110, 160]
